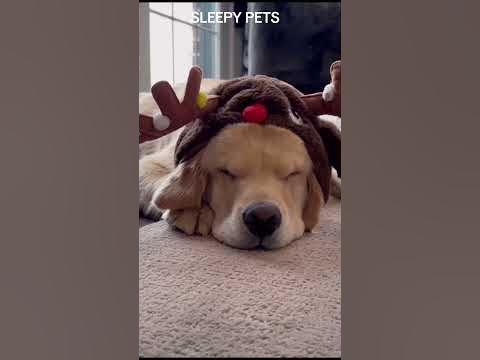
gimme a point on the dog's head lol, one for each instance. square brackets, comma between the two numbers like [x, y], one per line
[264, 180]
[257, 180]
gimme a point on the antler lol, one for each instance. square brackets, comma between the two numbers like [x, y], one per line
[175, 114]
[319, 103]
[195, 104]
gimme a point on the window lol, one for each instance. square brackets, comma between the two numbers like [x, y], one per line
[176, 43]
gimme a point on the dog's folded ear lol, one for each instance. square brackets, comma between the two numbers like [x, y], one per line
[183, 188]
[332, 139]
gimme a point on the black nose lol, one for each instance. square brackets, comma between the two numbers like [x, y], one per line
[262, 218]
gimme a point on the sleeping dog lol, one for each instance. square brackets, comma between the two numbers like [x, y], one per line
[249, 185]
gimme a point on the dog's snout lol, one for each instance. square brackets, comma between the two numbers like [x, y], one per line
[262, 218]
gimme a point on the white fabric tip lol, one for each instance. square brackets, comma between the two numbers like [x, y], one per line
[328, 92]
[161, 122]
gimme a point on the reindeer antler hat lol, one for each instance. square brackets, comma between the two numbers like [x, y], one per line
[254, 99]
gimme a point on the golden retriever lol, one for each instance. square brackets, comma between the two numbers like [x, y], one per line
[251, 186]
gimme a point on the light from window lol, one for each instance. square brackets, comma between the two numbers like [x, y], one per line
[176, 43]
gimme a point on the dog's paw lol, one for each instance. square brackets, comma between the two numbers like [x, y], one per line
[205, 221]
[191, 221]
[184, 219]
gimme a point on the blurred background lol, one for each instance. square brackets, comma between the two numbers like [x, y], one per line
[299, 49]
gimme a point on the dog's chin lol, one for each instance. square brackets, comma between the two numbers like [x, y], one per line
[236, 239]
[276, 242]
[246, 241]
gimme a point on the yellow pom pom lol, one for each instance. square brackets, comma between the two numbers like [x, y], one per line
[202, 99]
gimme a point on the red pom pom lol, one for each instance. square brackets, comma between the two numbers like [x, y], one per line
[256, 113]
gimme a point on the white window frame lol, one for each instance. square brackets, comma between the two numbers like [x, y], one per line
[228, 45]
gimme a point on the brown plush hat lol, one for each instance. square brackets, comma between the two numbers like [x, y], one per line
[272, 102]
[255, 99]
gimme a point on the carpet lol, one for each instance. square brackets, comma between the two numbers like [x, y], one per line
[200, 298]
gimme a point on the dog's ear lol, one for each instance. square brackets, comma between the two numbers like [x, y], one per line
[314, 202]
[332, 139]
[183, 188]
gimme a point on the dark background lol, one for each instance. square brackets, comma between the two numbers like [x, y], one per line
[68, 150]
[299, 49]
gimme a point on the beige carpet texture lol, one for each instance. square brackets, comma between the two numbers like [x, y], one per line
[200, 298]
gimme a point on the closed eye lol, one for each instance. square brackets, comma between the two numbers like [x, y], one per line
[227, 173]
[292, 174]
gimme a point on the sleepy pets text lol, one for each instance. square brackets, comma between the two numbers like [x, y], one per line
[217, 17]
